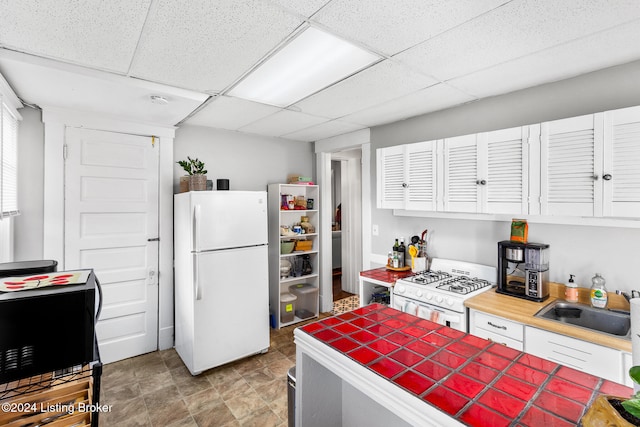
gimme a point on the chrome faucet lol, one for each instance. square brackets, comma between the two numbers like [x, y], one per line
[626, 295]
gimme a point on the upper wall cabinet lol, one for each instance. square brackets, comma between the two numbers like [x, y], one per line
[590, 165]
[487, 172]
[406, 178]
[621, 160]
[571, 166]
[586, 166]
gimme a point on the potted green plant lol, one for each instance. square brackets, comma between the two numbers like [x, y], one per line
[609, 410]
[196, 175]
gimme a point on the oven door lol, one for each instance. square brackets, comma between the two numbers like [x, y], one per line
[430, 312]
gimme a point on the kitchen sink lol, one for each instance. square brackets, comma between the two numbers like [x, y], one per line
[608, 322]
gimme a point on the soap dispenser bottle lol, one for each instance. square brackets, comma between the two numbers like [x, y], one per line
[599, 297]
[571, 290]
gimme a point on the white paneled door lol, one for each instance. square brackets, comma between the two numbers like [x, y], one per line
[111, 225]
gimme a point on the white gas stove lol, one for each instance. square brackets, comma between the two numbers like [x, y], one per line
[439, 293]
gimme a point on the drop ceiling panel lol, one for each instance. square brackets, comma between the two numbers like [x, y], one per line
[116, 96]
[95, 33]
[207, 45]
[282, 122]
[427, 100]
[613, 47]
[303, 7]
[324, 130]
[518, 28]
[380, 83]
[226, 112]
[392, 26]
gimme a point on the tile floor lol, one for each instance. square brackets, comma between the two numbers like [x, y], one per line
[157, 390]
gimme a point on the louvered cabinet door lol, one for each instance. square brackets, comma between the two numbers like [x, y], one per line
[421, 176]
[571, 166]
[621, 171]
[461, 190]
[391, 177]
[505, 169]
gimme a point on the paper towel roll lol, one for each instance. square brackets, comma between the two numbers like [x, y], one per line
[635, 330]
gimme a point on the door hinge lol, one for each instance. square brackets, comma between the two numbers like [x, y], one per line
[153, 140]
[64, 151]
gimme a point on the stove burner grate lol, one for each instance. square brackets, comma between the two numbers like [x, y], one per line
[463, 284]
[426, 277]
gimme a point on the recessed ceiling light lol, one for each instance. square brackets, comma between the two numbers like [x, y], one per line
[159, 100]
[310, 62]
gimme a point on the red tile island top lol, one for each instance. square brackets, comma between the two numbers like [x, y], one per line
[476, 381]
[387, 276]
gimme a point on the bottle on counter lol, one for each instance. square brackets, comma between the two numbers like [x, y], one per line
[402, 253]
[390, 259]
[599, 297]
[394, 251]
[396, 262]
[571, 290]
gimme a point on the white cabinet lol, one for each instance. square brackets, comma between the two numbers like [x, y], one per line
[497, 329]
[407, 176]
[584, 356]
[461, 181]
[289, 268]
[586, 166]
[487, 172]
[627, 363]
[590, 165]
[621, 163]
[571, 166]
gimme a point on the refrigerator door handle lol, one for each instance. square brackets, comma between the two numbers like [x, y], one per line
[196, 278]
[196, 228]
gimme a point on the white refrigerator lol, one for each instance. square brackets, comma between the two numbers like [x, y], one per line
[221, 277]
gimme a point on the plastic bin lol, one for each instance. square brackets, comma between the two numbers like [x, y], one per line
[307, 303]
[287, 307]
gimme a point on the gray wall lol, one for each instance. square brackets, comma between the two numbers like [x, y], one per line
[580, 250]
[250, 162]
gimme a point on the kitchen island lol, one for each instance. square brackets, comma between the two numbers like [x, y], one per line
[377, 366]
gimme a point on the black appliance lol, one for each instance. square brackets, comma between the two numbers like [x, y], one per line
[523, 270]
[46, 329]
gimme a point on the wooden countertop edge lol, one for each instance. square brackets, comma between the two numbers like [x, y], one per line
[523, 311]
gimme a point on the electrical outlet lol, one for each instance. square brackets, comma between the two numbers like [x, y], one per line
[374, 229]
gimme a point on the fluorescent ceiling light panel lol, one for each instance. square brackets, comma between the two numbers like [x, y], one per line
[311, 61]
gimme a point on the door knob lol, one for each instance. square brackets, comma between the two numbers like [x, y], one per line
[481, 182]
[607, 177]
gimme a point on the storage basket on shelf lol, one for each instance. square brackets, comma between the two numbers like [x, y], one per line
[304, 245]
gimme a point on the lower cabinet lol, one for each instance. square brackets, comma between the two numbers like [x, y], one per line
[584, 356]
[496, 329]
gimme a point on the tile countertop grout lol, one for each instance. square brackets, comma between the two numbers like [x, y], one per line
[537, 387]
[523, 311]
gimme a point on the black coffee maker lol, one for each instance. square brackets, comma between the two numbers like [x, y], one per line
[523, 270]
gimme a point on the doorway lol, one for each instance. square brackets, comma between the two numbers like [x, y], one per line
[111, 225]
[346, 194]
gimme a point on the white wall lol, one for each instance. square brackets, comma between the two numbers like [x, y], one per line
[29, 225]
[579, 250]
[250, 162]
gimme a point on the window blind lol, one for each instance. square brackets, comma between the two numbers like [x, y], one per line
[8, 163]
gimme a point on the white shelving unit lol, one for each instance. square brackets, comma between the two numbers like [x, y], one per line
[307, 304]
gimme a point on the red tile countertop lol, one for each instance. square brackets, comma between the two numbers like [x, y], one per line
[383, 275]
[476, 381]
